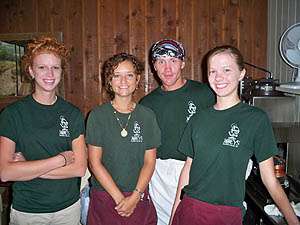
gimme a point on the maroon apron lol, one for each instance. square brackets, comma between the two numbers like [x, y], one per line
[102, 211]
[191, 211]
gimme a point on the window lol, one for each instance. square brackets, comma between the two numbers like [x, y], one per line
[12, 81]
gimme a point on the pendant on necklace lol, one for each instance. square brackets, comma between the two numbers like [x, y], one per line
[124, 132]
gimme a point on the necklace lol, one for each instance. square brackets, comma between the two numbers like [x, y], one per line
[55, 98]
[124, 132]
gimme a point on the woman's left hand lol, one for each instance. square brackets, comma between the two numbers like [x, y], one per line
[128, 204]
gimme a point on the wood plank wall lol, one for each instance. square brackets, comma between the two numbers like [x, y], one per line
[97, 29]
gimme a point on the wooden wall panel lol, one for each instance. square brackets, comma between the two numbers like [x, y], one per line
[168, 18]
[44, 15]
[92, 96]
[27, 22]
[96, 29]
[253, 35]
[4, 21]
[137, 29]
[216, 23]
[246, 28]
[185, 34]
[153, 33]
[201, 38]
[58, 16]
[76, 91]
[230, 31]
[121, 26]
[259, 40]
[13, 17]
[107, 27]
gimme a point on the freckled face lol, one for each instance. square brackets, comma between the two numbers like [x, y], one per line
[46, 70]
[224, 75]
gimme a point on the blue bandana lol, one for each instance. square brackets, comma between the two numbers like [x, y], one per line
[169, 48]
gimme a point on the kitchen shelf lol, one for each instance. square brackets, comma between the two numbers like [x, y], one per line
[288, 90]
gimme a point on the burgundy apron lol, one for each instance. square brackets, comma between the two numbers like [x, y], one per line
[102, 211]
[191, 211]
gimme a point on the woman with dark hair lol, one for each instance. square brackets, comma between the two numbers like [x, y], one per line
[42, 143]
[218, 143]
[122, 138]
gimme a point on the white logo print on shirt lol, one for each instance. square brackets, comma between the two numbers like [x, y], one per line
[64, 132]
[137, 133]
[192, 108]
[232, 140]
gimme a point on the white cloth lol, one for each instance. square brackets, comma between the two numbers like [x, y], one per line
[163, 187]
[84, 202]
[272, 209]
[249, 168]
[85, 179]
[248, 171]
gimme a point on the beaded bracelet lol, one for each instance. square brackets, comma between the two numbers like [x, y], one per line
[64, 159]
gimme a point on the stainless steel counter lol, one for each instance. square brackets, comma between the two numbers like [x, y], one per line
[257, 197]
[256, 194]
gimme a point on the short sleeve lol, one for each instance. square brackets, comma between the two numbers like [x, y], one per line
[186, 142]
[7, 125]
[264, 141]
[78, 128]
[94, 129]
[154, 133]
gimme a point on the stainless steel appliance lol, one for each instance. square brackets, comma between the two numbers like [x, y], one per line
[278, 108]
[282, 111]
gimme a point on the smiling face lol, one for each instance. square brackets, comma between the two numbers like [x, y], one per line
[46, 71]
[124, 81]
[224, 75]
[169, 71]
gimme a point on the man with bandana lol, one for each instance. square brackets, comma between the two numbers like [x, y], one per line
[174, 103]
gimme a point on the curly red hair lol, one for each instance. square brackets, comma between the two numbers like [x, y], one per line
[44, 45]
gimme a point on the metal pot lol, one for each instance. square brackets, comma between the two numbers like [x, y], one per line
[266, 87]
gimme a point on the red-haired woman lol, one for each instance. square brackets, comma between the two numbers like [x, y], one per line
[42, 143]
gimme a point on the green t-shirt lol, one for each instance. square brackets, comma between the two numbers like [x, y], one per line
[42, 131]
[173, 110]
[123, 157]
[221, 143]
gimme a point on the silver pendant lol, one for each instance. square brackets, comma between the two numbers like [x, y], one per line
[124, 133]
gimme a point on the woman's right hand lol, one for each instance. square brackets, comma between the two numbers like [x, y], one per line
[68, 157]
